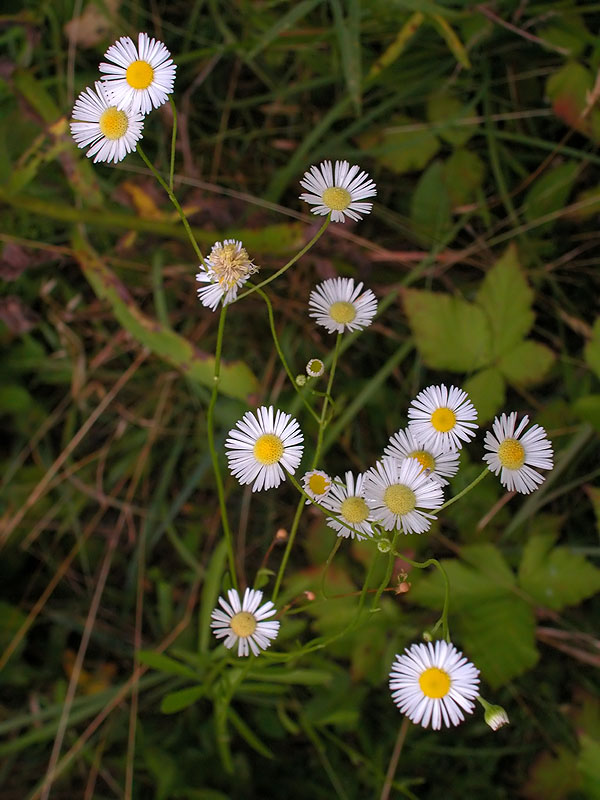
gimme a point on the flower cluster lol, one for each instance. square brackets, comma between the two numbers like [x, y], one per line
[109, 118]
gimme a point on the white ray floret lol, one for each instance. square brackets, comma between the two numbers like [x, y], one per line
[225, 270]
[245, 622]
[513, 453]
[140, 78]
[338, 305]
[442, 418]
[260, 445]
[111, 132]
[434, 684]
[338, 190]
[397, 491]
[316, 484]
[437, 464]
[347, 500]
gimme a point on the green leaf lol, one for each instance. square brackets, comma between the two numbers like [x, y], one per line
[163, 663]
[164, 770]
[588, 766]
[587, 408]
[248, 734]
[592, 349]
[14, 398]
[430, 205]
[556, 577]
[398, 150]
[177, 701]
[464, 172]
[396, 48]
[303, 677]
[450, 333]
[526, 364]
[552, 777]
[505, 297]
[486, 390]
[210, 592]
[550, 192]
[454, 43]
[348, 34]
[445, 111]
[568, 91]
[567, 31]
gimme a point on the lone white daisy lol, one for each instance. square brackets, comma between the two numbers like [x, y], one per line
[435, 463]
[348, 502]
[139, 77]
[442, 418]
[244, 622]
[513, 453]
[338, 190]
[111, 132]
[434, 683]
[338, 305]
[315, 368]
[259, 446]
[316, 484]
[225, 270]
[396, 491]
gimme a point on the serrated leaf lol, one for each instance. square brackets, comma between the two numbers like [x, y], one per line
[556, 578]
[430, 206]
[398, 150]
[588, 766]
[486, 390]
[526, 364]
[550, 192]
[450, 333]
[177, 701]
[506, 297]
[463, 173]
[446, 112]
[592, 349]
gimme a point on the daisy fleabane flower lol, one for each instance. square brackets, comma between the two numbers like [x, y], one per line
[112, 132]
[442, 418]
[316, 484]
[513, 453]
[140, 78]
[437, 464]
[396, 491]
[347, 500]
[338, 190]
[338, 305]
[260, 445]
[225, 270]
[315, 368]
[434, 683]
[245, 622]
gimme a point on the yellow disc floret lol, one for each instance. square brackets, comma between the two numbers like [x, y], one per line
[318, 484]
[399, 499]
[139, 75]
[113, 123]
[342, 312]
[230, 263]
[511, 454]
[434, 683]
[426, 460]
[354, 509]
[336, 198]
[268, 449]
[443, 419]
[243, 624]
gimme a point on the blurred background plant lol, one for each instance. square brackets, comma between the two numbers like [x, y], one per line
[479, 124]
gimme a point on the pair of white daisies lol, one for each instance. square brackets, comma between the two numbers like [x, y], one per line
[135, 79]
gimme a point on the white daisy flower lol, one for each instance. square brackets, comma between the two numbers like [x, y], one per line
[338, 305]
[244, 622]
[441, 417]
[316, 484]
[97, 121]
[139, 77]
[348, 502]
[395, 491]
[434, 683]
[513, 454]
[315, 368]
[338, 190]
[259, 446]
[435, 463]
[225, 270]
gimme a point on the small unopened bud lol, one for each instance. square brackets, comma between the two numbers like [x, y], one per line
[309, 595]
[281, 535]
[427, 637]
[403, 587]
[301, 380]
[495, 716]
[384, 545]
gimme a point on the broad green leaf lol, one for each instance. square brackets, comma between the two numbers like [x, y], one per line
[446, 112]
[450, 333]
[552, 777]
[399, 150]
[177, 701]
[587, 408]
[487, 392]
[556, 577]
[163, 663]
[588, 766]
[550, 192]
[592, 349]
[526, 364]
[506, 298]
[567, 30]
[14, 397]
[464, 172]
[568, 92]
[430, 206]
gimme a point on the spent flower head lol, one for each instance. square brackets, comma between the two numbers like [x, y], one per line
[225, 270]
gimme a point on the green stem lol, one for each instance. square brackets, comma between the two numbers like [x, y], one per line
[213, 452]
[292, 261]
[322, 423]
[468, 488]
[423, 565]
[330, 558]
[174, 200]
[173, 140]
[288, 548]
[388, 574]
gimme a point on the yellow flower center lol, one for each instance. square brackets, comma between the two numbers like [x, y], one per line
[318, 484]
[342, 312]
[426, 460]
[243, 624]
[230, 264]
[268, 449]
[113, 123]
[443, 419]
[336, 198]
[139, 75]
[399, 499]
[315, 365]
[511, 454]
[434, 683]
[354, 509]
